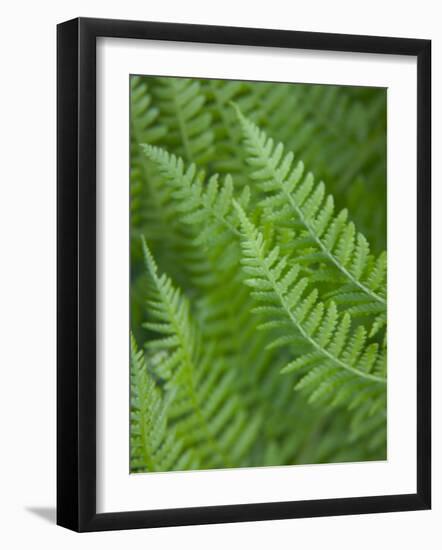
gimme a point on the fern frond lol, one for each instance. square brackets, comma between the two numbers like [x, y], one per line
[213, 351]
[224, 306]
[154, 445]
[228, 157]
[341, 135]
[145, 127]
[207, 412]
[148, 204]
[324, 236]
[181, 104]
[199, 202]
[337, 355]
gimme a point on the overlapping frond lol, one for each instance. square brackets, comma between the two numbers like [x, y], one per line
[205, 208]
[292, 198]
[338, 358]
[207, 413]
[224, 303]
[207, 204]
[340, 132]
[281, 281]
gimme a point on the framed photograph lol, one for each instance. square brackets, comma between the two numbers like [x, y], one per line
[243, 274]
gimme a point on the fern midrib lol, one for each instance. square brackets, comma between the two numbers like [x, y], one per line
[299, 326]
[312, 232]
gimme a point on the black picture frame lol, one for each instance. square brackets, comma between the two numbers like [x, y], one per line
[76, 274]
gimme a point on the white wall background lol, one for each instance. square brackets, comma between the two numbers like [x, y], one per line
[27, 274]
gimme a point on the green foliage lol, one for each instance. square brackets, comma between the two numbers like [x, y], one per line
[207, 412]
[269, 347]
[154, 445]
[357, 279]
[334, 359]
[188, 123]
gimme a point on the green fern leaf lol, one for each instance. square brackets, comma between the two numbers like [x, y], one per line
[307, 306]
[294, 199]
[181, 104]
[154, 446]
[209, 417]
[332, 348]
